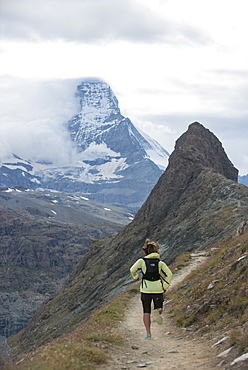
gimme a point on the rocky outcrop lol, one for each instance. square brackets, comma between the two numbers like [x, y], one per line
[195, 204]
[200, 148]
[195, 180]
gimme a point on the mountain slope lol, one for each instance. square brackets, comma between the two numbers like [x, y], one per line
[196, 302]
[43, 235]
[66, 208]
[195, 204]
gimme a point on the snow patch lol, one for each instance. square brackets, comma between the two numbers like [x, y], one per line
[95, 151]
[157, 157]
[154, 151]
[84, 198]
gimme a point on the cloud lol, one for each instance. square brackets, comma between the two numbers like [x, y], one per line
[33, 117]
[91, 21]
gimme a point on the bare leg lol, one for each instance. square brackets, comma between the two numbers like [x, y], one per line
[147, 322]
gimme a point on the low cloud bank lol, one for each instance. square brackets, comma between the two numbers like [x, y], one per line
[33, 118]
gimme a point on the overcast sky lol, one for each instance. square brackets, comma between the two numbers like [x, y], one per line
[169, 62]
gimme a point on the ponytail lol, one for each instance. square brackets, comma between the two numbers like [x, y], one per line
[150, 247]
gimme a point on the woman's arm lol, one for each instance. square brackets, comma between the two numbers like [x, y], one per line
[136, 266]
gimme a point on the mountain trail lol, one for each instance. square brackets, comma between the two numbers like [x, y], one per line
[170, 347]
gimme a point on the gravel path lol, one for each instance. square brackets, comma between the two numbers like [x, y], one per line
[169, 348]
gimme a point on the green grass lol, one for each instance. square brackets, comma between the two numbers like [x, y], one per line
[86, 346]
[224, 307]
[66, 356]
[180, 262]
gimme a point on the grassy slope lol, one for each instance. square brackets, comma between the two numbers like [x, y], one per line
[214, 298]
[83, 348]
[221, 310]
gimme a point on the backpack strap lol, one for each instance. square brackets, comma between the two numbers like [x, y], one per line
[162, 278]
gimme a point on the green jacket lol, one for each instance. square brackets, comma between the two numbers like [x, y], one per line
[147, 286]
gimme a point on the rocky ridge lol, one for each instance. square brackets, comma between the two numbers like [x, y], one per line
[195, 204]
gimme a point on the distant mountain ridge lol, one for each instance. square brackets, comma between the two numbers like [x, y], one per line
[115, 163]
[43, 235]
[243, 180]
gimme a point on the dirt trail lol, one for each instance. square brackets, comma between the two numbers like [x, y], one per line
[169, 348]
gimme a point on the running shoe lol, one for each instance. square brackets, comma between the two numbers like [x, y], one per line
[148, 336]
[157, 317]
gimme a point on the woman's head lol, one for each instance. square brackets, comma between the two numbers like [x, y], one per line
[150, 247]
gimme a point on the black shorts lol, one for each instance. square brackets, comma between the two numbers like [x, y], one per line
[147, 298]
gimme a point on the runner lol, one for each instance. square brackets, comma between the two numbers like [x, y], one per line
[155, 281]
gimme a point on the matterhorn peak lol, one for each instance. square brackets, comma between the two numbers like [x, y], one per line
[99, 111]
[97, 100]
[115, 163]
[100, 123]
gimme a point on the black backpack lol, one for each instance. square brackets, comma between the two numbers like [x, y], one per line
[152, 270]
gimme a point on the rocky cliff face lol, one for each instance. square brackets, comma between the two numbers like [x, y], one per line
[195, 204]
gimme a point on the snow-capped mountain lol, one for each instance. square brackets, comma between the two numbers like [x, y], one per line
[115, 162]
[100, 128]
